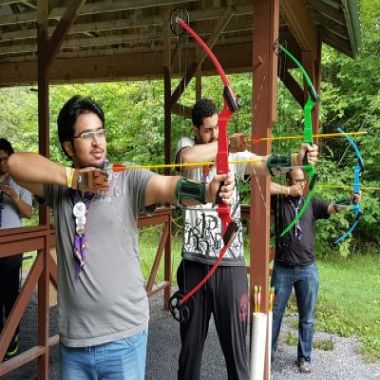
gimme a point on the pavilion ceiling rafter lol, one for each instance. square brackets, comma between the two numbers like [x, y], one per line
[132, 29]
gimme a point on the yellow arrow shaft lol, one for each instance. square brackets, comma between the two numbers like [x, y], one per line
[297, 137]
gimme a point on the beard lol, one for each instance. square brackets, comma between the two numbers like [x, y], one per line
[200, 141]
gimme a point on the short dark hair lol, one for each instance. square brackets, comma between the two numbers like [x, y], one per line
[75, 106]
[288, 176]
[6, 146]
[202, 108]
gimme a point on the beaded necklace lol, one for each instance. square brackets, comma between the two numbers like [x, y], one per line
[298, 229]
[80, 212]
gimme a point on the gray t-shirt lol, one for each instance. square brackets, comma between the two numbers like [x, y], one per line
[108, 300]
[202, 236]
[10, 216]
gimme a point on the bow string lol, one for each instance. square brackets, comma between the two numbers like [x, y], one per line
[230, 105]
[359, 167]
[308, 138]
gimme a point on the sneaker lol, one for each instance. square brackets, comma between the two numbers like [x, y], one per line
[13, 348]
[304, 366]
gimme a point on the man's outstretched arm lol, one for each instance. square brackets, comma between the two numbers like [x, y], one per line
[32, 171]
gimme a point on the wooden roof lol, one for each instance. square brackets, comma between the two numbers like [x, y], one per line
[124, 39]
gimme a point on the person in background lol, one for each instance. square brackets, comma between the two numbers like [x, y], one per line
[294, 263]
[225, 295]
[15, 203]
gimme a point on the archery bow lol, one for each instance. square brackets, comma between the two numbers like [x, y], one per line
[229, 227]
[307, 138]
[358, 213]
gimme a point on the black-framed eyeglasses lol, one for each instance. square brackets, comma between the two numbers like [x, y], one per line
[90, 135]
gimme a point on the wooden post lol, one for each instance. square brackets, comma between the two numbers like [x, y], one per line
[168, 142]
[265, 35]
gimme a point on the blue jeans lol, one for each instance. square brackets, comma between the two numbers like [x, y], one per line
[306, 283]
[118, 360]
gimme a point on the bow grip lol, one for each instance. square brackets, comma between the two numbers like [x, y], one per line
[343, 201]
[232, 100]
[231, 230]
[313, 93]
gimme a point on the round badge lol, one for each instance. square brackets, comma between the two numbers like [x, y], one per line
[80, 229]
[80, 220]
[79, 209]
[117, 191]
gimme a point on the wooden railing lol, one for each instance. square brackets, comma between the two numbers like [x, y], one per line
[44, 272]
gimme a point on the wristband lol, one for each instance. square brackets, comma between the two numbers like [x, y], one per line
[277, 162]
[186, 189]
[69, 176]
[294, 157]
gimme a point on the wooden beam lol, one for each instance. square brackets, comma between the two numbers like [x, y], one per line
[14, 2]
[198, 84]
[124, 24]
[28, 4]
[236, 42]
[20, 305]
[43, 315]
[166, 64]
[329, 11]
[146, 38]
[157, 260]
[181, 110]
[292, 85]
[266, 20]
[328, 23]
[131, 66]
[43, 86]
[61, 30]
[300, 23]
[334, 40]
[264, 66]
[211, 41]
[43, 101]
[91, 9]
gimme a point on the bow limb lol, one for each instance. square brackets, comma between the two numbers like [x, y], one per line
[308, 138]
[229, 226]
[230, 106]
[359, 167]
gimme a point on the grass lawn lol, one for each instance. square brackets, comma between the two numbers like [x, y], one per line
[349, 301]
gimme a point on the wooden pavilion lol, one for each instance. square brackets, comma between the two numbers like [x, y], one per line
[47, 42]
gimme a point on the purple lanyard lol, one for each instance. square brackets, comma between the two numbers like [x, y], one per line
[298, 229]
[80, 212]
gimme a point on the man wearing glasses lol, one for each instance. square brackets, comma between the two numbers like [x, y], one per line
[103, 306]
[294, 264]
[15, 203]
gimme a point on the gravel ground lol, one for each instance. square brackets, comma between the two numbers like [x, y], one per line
[342, 362]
